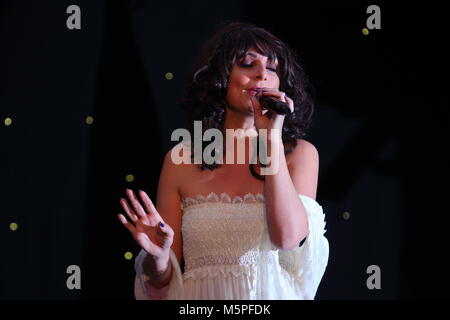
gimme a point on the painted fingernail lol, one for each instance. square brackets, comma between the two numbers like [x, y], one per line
[140, 190]
[161, 225]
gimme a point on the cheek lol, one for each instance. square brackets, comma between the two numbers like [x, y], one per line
[238, 79]
[275, 82]
[237, 82]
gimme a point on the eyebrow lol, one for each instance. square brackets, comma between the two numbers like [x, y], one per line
[254, 56]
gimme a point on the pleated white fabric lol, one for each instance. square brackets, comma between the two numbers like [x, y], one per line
[229, 256]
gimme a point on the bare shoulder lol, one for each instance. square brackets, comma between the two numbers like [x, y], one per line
[304, 152]
[174, 163]
[303, 165]
[174, 157]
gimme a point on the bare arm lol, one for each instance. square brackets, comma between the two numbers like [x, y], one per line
[287, 220]
[168, 205]
[155, 238]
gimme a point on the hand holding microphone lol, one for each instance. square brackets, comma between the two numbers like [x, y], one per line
[272, 103]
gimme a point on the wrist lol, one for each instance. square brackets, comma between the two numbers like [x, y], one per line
[274, 134]
[160, 278]
[275, 145]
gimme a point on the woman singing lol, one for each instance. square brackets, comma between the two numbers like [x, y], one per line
[226, 230]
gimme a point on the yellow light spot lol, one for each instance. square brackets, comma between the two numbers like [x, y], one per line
[129, 178]
[128, 255]
[13, 226]
[346, 215]
[365, 31]
[8, 121]
[89, 120]
[169, 75]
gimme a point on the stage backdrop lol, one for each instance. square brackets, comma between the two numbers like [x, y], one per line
[88, 110]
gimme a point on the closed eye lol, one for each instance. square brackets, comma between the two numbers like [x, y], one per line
[250, 65]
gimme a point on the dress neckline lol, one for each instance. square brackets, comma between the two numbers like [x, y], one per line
[224, 197]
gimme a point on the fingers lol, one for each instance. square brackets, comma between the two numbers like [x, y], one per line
[272, 92]
[149, 207]
[130, 213]
[278, 94]
[166, 232]
[127, 225]
[165, 229]
[256, 106]
[290, 102]
[135, 204]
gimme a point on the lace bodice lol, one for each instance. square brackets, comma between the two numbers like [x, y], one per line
[228, 253]
[218, 230]
[224, 197]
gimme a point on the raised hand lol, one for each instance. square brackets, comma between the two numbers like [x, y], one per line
[272, 120]
[146, 226]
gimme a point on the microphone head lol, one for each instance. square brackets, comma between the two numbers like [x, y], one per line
[275, 105]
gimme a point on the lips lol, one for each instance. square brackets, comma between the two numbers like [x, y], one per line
[251, 91]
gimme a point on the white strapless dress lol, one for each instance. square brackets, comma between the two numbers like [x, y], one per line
[229, 256]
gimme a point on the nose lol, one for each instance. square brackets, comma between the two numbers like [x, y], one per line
[261, 72]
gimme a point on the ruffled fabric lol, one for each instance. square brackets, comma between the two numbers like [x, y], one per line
[143, 290]
[271, 273]
[296, 273]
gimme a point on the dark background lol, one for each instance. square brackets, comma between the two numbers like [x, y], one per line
[379, 123]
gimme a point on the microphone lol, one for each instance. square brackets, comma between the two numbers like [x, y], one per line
[274, 105]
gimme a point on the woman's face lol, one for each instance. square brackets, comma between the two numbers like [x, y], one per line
[253, 71]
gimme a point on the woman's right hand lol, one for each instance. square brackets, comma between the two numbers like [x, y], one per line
[146, 226]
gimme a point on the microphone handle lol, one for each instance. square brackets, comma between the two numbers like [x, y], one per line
[275, 105]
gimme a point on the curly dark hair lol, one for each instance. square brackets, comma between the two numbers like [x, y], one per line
[204, 96]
